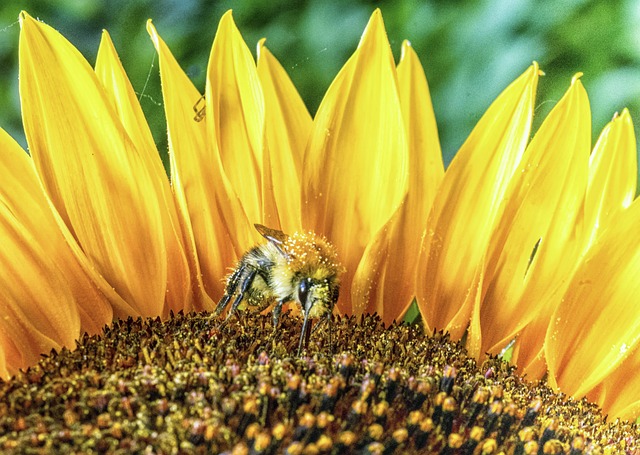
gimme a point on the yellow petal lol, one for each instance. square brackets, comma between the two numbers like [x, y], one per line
[287, 129]
[123, 98]
[619, 393]
[613, 168]
[46, 298]
[235, 114]
[426, 169]
[467, 206]
[542, 212]
[95, 176]
[356, 164]
[601, 297]
[212, 215]
[531, 361]
[385, 279]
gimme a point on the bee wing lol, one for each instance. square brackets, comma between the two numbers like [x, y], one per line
[277, 238]
[273, 235]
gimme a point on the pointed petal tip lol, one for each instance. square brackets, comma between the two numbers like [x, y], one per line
[406, 45]
[576, 78]
[375, 31]
[22, 16]
[535, 68]
[153, 33]
[227, 25]
[577, 86]
[227, 18]
[624, 116]
[375, 21]
[105, 39]
[25, 18]
[261, 49]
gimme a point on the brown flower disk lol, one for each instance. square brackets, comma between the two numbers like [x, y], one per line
[188, 385]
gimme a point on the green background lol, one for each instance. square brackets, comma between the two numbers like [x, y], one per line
[470, 50]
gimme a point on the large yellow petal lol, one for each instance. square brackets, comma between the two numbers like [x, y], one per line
[123, 98]
[543, 211]
[94, 175]
[235, 115]
[385, 279]
[212, 214]
[467, 206]
[46, 298]
[613, 168]
[356, 164]
[597, 324]
[287, 128]
[426, 168]
[619, 392]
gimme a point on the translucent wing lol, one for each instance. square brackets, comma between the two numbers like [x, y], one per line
[277, 238]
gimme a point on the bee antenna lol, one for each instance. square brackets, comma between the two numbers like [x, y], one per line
[305, 324]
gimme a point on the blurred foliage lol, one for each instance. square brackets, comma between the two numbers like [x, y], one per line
[471, 50]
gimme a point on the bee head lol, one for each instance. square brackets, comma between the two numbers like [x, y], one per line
[317, 298]
[316, 272]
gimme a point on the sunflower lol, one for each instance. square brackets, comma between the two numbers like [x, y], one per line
[520, 242]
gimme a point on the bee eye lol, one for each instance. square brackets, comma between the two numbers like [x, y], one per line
[303, 291]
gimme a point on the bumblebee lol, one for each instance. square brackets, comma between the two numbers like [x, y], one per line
[302, 268]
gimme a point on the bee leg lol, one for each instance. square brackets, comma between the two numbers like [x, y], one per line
[305, 327]
[328, 321]
[229, 290]
[246, 284]
[319, 324]
[238, 275]
[276, 312]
